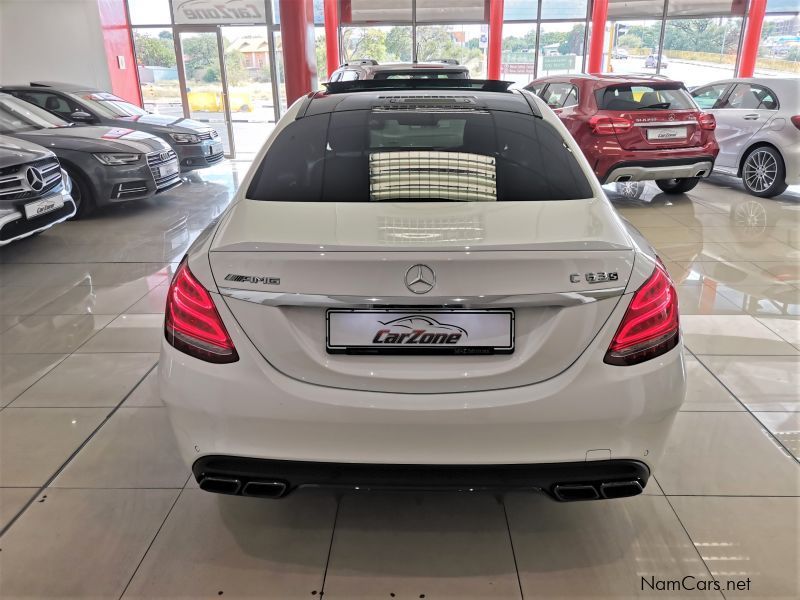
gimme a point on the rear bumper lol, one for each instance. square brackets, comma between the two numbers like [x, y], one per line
[644, 171]
[563, 481]
[591, 411]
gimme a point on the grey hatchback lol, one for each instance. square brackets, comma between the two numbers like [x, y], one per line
[196, 144]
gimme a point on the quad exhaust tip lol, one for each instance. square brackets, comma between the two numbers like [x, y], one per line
[264, 489]
[220, 485]
[232, 486]
[571, 492]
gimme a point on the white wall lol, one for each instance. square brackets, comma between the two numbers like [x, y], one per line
[56, 40]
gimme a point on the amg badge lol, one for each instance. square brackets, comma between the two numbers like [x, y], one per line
[253, 279]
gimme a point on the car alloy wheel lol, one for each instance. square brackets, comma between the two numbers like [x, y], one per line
[760, 171]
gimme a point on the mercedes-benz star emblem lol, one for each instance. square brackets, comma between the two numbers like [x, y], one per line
[34, 178]
[420, 279]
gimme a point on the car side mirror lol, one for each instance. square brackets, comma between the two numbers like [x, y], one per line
[81, 117]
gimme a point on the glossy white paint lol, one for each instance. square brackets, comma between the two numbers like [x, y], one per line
[552, 400]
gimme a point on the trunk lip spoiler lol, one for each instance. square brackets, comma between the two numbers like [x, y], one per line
[561, 299]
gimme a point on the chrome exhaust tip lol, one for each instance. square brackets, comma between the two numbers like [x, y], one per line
[265, 489]
[620, 489]
[570, 492]
[623, 178]
[220, 485]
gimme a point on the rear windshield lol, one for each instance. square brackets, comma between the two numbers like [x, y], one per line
[416, 156]
[421, 74]
[644, 97]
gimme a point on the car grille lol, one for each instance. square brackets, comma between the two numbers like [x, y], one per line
[208, 135]
[17, 183]
[215, 158]
[155, 160]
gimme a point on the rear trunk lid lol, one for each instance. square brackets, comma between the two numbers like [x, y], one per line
[660, 116]
[293, 273]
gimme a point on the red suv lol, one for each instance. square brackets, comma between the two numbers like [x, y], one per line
[633, 128]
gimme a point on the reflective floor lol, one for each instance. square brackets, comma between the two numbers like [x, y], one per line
[96, 503]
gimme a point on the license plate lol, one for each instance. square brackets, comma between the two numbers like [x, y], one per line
[665, 133]
[420, 332]
[42, 207]
[167, 170]
[214, 149]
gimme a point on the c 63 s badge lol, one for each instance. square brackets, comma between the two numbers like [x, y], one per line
[598, 277]
[253, 279]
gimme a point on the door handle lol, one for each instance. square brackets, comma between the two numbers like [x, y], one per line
[750, 117]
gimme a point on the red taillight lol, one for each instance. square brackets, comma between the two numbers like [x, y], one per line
[650, 325]
[796, 121]
[192, 323]
[707, 121]
[602, 125]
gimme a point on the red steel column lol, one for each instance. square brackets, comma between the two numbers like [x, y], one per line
[297, 37]
[331, 35]
[495, 56]
[120, 56]
[599, 17]
[752, 38]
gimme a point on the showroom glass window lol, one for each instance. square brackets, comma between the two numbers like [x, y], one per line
[633, 34]
[778, 49]
[701, 39]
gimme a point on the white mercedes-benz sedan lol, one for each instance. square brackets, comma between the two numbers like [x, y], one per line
[420, 284]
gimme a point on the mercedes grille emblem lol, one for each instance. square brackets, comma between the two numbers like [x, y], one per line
[420, 279]
[35, 179]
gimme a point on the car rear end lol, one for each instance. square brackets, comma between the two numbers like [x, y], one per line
[34, 190]
[408, 297]
[646, 130]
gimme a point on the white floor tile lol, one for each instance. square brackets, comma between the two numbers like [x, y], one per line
[88, 380]
[604, 549]
[80, 543]
[134, 449]
[35, 442]
[730, 454]
[747, 538]
[19, 371]
[734, 334]
[762, 383]
[236, 547]
[431, 545]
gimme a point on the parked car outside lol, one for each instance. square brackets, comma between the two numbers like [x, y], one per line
[34, 190]
[651, 62]
[620, 53]
[364, 313]
[197, 145]
[634, 128]
[106, 164]
[370, 69]
[758, 131]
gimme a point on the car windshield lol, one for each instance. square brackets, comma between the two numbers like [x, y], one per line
[415, 155]
[109, 105]
[18, 116]
[644, 97]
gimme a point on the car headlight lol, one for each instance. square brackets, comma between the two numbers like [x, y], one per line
[184, 138]
[117, 158]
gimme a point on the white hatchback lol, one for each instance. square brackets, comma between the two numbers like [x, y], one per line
[422, 285]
